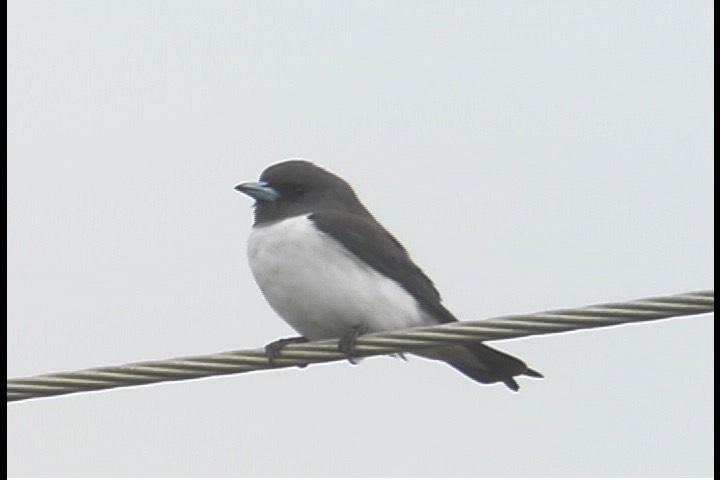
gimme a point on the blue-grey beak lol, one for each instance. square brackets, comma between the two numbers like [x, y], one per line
[260, 191]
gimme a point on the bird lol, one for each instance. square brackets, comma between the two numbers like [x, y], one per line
[331, 270]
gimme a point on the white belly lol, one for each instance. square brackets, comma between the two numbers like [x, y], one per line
[319, 288]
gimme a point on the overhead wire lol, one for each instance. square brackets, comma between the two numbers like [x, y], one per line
[390, 342]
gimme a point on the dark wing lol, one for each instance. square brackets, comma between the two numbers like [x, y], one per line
[374, 245]
[369, 241]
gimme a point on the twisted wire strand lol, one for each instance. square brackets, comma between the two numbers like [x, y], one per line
[416, 339]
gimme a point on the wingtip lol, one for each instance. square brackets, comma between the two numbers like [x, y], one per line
[533, 373]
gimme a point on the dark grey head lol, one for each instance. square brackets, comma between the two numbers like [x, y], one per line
[296, 187]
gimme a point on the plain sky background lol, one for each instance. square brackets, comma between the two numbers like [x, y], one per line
[530, 155]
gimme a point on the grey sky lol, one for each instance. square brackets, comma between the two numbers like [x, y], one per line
[530, 155]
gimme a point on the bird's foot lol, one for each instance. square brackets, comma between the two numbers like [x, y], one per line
[347, 342]
[272, 349]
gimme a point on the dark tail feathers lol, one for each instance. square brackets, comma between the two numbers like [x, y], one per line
[495, 366]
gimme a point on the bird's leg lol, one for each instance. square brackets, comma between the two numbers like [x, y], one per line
[347, 342]
[272, 349]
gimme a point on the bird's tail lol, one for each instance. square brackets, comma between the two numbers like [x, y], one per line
[482, 363]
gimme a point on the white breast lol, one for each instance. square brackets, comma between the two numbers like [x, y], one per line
[319, 288]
